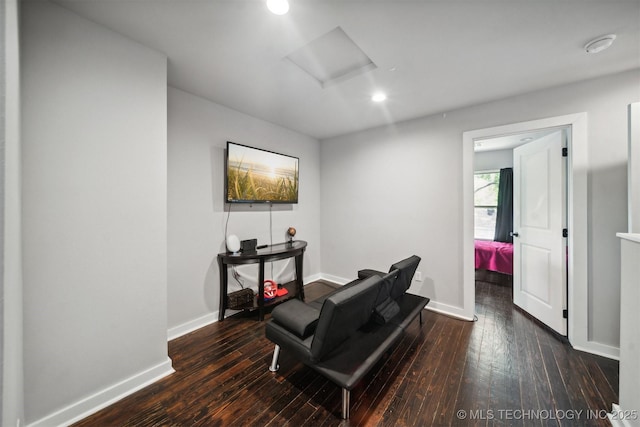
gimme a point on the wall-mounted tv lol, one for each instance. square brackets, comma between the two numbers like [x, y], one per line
[254, 175]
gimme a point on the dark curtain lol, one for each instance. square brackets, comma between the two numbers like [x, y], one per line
[504, 218]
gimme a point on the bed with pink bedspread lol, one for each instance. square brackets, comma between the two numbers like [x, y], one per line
[494, 256]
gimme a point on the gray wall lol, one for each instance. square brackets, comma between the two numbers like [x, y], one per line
[198, 132]
[493, 160]
[390, 192]
[94, 108]
[99, 275]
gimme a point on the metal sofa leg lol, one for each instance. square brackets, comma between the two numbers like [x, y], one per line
[421, 321]
[345, 403]
[274, 362]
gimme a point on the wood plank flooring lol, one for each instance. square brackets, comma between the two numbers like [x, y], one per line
[503, 369]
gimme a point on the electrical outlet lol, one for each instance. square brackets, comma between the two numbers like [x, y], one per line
[418, 276]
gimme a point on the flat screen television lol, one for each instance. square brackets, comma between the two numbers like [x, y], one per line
[254, 175]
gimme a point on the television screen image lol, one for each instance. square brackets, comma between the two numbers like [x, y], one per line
[260, 176]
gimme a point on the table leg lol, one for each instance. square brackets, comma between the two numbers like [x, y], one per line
[223, 289]
[261, 291]
[300, 284]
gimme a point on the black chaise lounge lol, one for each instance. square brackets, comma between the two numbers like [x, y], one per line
[345, 333]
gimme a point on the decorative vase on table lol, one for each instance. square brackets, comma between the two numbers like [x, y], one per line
[233, 243]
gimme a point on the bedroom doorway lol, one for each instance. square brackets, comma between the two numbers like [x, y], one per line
[539, 221]
[519, 214]
[576, 290]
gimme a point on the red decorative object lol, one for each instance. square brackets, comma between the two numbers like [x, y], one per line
[270, 289]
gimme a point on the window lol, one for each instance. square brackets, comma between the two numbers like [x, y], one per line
[485, 193]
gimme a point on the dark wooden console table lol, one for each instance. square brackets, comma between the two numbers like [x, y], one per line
[260, 256]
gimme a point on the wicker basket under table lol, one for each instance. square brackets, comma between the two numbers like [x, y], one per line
[240, 299]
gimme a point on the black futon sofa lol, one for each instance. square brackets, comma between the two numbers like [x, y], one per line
[345, 333]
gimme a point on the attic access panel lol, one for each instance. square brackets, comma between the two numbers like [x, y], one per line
[331, 58]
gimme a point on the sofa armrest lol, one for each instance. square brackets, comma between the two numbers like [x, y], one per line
[296, 317]
[363, 274]
[300, 348]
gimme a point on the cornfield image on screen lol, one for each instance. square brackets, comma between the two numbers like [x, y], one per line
[260, 176]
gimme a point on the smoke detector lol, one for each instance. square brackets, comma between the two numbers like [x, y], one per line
[599, 44]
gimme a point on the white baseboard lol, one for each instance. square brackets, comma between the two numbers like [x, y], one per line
[209, 318]
[619, 418]
[434, 306]
[448, 310]
[313, 278]
[334, 279]
[92, 404]
[599, 349]
[192, 325]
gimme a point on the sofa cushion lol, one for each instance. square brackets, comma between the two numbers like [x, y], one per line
[363, 274]
[388, 282]
[317, 303]
[343, 314]
[406, 269]
[297, 317]
[385, 307]
[410, 306]
[385, 311]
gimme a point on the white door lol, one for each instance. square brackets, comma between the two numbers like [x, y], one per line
[539, 268]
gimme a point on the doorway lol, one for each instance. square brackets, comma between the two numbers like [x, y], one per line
[524, 247]
[577, 294]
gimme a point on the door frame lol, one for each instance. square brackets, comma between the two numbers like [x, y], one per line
[577, 265]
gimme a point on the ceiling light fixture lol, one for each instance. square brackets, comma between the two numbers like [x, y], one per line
[278, 7]
[599, 44]
[378, 97]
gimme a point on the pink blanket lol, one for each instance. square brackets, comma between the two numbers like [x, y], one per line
[494, 256]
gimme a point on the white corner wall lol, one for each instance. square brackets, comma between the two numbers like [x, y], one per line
[12, 409]
[198, 131]
[393, 191]
[94, 214]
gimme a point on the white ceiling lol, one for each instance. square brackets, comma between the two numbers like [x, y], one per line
[432, 56]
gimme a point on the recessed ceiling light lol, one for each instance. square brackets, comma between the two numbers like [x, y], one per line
[526, 139]
[599, 44]
[378, 97]
[278, 7]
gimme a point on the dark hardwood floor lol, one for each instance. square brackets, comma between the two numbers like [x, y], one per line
[503, 369]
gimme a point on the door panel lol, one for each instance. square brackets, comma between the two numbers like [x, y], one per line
[535, 202]
[539, 270]
[535, 273]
